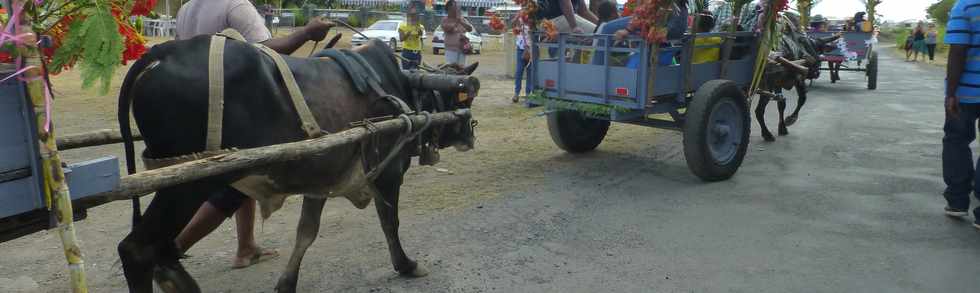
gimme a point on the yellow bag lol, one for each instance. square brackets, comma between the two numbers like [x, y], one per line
[866, 26]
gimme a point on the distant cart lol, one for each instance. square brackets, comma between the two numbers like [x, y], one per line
[586, 81]
[866, 59]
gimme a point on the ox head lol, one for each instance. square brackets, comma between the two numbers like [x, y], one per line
[450, 88]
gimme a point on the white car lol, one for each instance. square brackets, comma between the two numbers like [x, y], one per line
[439, 43]
[384, 30]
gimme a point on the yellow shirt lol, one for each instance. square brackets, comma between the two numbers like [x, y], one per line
[705, 55]
[413, 36]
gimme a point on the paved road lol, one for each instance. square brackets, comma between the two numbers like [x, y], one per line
[849, 202]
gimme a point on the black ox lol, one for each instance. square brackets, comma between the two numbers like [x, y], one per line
[168, 91]
[798, 61]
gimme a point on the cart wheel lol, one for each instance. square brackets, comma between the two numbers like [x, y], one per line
[716, 130]
[872, 70]
[576, 133]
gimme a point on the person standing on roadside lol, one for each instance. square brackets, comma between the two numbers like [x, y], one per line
[523, 58]
[410, 34]
[931, 41]
[454, 28]
[962, 109]
[918, 42]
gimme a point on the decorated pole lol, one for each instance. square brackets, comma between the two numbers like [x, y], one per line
[805, 7]
[55, 186]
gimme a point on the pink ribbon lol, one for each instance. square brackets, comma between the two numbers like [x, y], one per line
[7, 36]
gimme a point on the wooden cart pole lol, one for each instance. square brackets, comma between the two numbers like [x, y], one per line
[55, 186]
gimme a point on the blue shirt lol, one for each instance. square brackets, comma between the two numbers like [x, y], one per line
[964, 29]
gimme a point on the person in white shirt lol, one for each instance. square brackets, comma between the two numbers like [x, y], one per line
[205, 17]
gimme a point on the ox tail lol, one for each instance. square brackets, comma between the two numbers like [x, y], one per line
[125, 103]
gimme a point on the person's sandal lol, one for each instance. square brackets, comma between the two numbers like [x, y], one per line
[515, 99]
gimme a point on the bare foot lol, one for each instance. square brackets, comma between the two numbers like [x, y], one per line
[246, 259]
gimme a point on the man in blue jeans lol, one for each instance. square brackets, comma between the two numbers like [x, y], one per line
[962, 108]
[523, 57]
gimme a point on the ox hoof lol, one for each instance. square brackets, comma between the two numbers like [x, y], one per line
[791, 120]
[416, 272]
[783, 132]
[768, 137]
[286, 288]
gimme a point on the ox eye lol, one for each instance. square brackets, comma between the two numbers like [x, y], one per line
[462, 97]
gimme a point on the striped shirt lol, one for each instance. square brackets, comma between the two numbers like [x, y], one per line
[964, 29]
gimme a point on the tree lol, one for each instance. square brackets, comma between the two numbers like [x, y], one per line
[939, 11]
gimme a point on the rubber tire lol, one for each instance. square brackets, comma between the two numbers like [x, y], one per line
[696, 150]
[872, 70]
[435, 51]
[575, 133]
[394, 44]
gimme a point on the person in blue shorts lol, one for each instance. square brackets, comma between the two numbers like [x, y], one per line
[962, 109]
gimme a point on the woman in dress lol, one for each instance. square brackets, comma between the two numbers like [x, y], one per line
[918, 43]
[455, 27]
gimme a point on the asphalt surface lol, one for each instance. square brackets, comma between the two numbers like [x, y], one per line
[849, 202]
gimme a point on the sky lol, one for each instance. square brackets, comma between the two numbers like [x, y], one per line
[892, 10]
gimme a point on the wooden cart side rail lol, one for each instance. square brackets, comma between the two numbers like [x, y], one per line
[93, 138]
[146, 182]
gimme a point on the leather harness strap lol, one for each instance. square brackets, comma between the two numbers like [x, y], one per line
[216, 92]
[216, 89]
[309, 124]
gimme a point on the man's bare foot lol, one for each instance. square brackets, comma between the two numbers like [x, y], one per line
[250, 257]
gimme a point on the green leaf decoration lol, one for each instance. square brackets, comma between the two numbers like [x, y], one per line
[101, 47]
[589, 109]
[70, 49]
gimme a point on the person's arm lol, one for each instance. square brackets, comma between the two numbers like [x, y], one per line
[584, 11]
[954, 71]
[402, 33]
[566, 10]
[959, 35]
[465, 24]
[316, 30]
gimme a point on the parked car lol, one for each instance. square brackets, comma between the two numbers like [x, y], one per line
[384, 30]
[439, 43]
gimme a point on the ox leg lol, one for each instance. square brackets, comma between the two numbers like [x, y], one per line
[801, 90]
[781, 104]
[760, 115]
[149, 250]
[389, 183]
[309, 226]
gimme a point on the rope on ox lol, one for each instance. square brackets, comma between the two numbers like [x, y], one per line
[146, 182]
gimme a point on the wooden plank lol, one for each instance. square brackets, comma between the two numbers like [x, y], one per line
[92, 138]
[146, 182]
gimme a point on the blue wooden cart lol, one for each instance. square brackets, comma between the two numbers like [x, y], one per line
[864, 57]
[620, 83]
[22, 206]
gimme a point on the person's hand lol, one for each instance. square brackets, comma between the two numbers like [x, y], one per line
[317, 28]
[952, 107]
[621, 35]
[577, 30]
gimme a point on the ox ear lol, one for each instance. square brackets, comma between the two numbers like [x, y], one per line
[470, 69]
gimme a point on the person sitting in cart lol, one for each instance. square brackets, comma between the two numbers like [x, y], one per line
[676, 26]
[706, 48]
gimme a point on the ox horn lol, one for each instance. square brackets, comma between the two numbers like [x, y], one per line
[796, 66]
[443, 82]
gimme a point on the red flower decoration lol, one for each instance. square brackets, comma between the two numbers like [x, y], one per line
[143, 7]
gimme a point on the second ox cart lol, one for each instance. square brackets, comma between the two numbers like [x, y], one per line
[705, 100]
